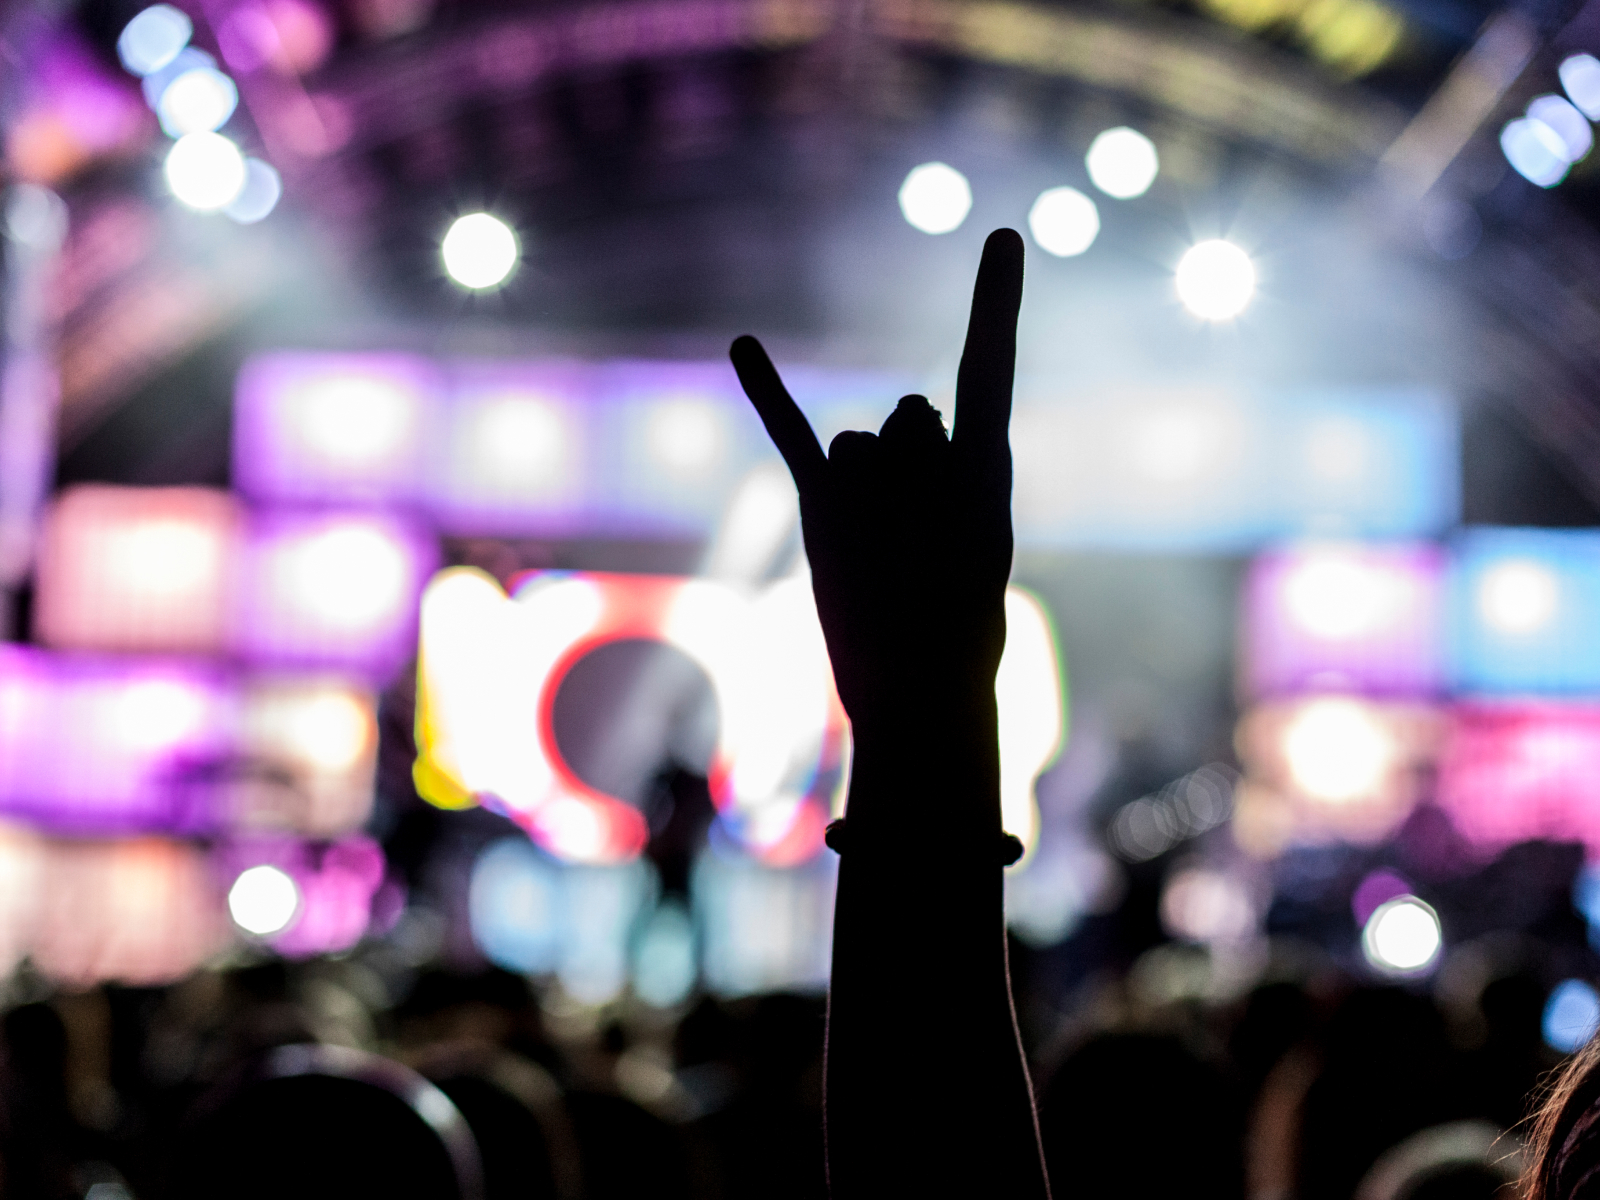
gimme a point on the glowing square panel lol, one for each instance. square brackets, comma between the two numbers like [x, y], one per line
[1515, 771]
[1331, 767]
[333, 428]
[308, 748]
[1525, 611]
[673, 440]
[110, 746]
[1344, 617]
[317, 898]
[136, 569]
[335, 591]
[512, 457]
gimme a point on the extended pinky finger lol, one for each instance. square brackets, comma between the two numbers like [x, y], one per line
[786, 424]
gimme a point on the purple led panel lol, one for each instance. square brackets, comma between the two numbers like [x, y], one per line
[102, 746]
[512, 452]
[333, 428]
[331, 590]
[1344, 617]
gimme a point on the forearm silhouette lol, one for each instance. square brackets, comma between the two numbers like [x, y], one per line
[909, 537]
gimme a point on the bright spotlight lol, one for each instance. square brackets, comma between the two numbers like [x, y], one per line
[153, 38]
[1338, 750]
[1571, 126]
[1122, 163]
[262, 189]
[1402, 936]
[263, 900]
[1580, 79]
[1535, 151]
[1571, 1015]
[198, 101]
[205, 171]
[1215, 280]
[1064, 221]
[479, 251]
[935, 198]
[1518, 596]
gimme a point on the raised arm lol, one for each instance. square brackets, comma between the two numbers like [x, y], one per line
[909, 537]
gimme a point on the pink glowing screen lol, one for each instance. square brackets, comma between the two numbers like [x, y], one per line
[1341, 617]
[1522, 770]
[144, 569]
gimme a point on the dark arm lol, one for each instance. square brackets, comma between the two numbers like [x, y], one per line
[909, 537]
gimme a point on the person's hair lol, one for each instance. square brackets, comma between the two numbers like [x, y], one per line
[1563, 1154]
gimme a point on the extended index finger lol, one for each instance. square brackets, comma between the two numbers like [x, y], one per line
[983, 383]
[786, 424]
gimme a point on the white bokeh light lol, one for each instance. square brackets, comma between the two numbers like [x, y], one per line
[153, 38]
[1402, 937]
[935, 198]
[1571, 126]
[1580, 79]
[262, 189]
[1122, 163]
[1518, 596]
[1338, 750]
[1064, 221]
[1215, 280]
[1338, 597]
[263, 900]
[1537, 152]
[479, 251]
[205, 171]
[198, 101]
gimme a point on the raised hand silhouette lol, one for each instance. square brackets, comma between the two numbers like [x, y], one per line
[908, 531]
[909, 537]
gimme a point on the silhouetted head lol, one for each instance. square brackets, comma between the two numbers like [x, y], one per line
[1563, 1152]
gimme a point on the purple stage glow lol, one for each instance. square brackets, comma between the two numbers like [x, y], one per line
[331, 590]
[333, 428]
[334, 887]
[1344, 617]
[101, 746]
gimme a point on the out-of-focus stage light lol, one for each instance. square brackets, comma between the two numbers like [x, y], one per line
[136, 569]
[109, 746]
[1535, 151]
[1204, 904]
[1571, 1016]
[205, 171]
[935, 198]
[1148, 827]
[1525, 604]
[311, 746]
[335, 591]
[537, 917]
[262, 190]
[142, 912]
[1122, 163]
[664, 960]
[326, 906]
[1402, 937]
[763, 929]
[513, 458]
[479, 251]
[198, 101]
[1064, 221]
[1215, 280]
[1571, 126]
[1519, 770]
[263, 899]
[1345, 617]
[1334, 767]
[1580, 79]
[332, 428]
[153, 38]
[1030, 696]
